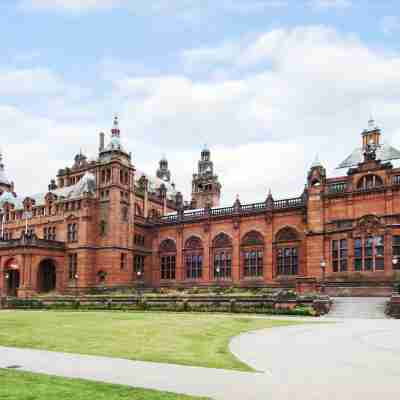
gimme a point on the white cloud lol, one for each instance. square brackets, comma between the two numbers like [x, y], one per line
[308, 85]
[283, 97]
[390, 24]
[30, 82]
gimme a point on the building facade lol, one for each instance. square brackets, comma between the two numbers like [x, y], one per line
[103, 223]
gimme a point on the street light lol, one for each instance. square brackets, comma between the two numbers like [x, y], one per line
[322, 265]
[395, 261]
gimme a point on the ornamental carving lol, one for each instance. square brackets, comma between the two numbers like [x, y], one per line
[193, 243]
[287, 234]
[253, 238]
[168, 246]
[222, 240]
[368, 224]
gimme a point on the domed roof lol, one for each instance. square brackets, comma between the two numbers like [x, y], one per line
[7, 197]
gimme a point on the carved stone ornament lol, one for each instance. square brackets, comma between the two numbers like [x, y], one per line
[369, 224]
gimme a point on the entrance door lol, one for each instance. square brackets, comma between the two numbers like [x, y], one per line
[47, 276]
[12, 276]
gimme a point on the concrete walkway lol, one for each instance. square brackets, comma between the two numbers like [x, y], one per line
[347, 359]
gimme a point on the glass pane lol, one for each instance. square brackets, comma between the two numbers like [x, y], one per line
[379, 251]
[378, 240]
[380, 264]
[368, 264]
[357, 243]
[343, 265]
[335, 265]
[334, 244]
[357, 264]
[343, 244]
[358, 252]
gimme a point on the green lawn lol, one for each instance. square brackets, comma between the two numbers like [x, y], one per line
[187, 338]
[16, 385]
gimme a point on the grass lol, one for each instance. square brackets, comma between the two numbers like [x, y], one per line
[186, 339]
[15, 385]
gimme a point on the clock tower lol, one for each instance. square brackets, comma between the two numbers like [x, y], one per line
[206, 190]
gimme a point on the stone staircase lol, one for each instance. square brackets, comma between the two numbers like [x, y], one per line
[358, 307]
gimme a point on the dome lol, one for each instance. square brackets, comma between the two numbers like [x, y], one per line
[7, 197]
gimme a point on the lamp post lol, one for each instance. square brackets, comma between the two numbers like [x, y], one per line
[395, 261]
[322, 265]
[76, 276]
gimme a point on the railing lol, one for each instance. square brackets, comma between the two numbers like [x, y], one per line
[237, 209]
[31, 241]
[339, 187]
[289, 203]
[396, 180]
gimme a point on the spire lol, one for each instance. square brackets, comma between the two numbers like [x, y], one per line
[371, 124]
[316, 162]
[115, 132]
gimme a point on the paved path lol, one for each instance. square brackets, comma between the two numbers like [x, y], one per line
[347, 359]
[358, 307]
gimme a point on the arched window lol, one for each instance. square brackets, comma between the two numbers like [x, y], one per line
[369, 182]
[138, 210]
[287, 252]
[193, 258]
[253, 254]
[222, 255]
[168, 259]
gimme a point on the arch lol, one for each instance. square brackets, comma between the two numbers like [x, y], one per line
[101, 276]
[222, 240]
[168, 246]
[193, 243]
[369, 181]
[253, 238]
[47, 276]
[138, 210]
[287, 234]
[12, 277]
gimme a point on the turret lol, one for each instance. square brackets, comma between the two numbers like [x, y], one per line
[5, 184]
[163, 172]
[206, 189]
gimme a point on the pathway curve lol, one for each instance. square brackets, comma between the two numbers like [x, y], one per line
[346, 359]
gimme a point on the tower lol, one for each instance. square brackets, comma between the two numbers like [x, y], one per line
[206, 190]
[371, 135]
[163, 172]
[5, 184]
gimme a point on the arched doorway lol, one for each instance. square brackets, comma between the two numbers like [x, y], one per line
[12, 277]
[47, 276]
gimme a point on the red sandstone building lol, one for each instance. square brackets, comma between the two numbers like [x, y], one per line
[102, 223]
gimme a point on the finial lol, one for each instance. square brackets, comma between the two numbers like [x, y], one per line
[115, 129]
[269, 192]
[371, 124]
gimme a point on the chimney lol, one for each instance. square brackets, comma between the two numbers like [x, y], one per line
[101, 148]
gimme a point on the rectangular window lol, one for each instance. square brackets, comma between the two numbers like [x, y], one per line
[287, 261]
[72, 233]
[396, 252]
[369, 254]
[139, 265]
[194, 266]
[123, 261]
[72, 266]
[222, 265]
[253, 263]
[168, 264]
[339, 255]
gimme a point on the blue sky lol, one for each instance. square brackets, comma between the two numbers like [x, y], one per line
[266, 84]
